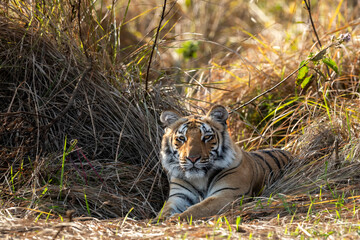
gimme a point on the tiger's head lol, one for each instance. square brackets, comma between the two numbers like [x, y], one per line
[195, 145]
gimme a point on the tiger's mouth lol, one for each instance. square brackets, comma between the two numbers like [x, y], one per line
[195, 171]
[201, 165]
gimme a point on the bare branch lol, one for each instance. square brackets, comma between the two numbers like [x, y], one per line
[154, 45]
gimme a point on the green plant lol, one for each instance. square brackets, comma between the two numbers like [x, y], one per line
[188, 50]
[87, 204]
[290, 209]
[228, 225]
[238, 222]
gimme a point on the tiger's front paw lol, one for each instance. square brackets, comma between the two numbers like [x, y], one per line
[174, 217]
[163, 216]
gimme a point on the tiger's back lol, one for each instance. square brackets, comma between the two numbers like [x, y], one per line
[206, 169]
[268, 165]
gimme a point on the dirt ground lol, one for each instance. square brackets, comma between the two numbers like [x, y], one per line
[257, 225]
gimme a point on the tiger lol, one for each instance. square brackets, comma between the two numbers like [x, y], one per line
[206, 169]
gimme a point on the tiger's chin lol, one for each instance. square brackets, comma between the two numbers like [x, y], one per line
[195, 173]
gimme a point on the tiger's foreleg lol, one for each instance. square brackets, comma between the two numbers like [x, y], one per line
[210, 206]
[182, 195]
[216, 203]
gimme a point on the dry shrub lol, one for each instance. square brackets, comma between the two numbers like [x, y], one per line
[53, 94]
[322, 160]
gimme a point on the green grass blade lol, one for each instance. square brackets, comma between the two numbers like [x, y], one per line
[63, 166]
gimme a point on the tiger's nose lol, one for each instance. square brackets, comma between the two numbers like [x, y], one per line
[193, 159]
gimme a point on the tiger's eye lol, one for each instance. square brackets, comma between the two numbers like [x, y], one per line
[180, 139]
[208, 137]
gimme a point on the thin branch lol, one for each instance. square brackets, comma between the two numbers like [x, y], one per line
[270, 89]
[153, 48]
[336, 153]
[316, 57]
[308, 8]
[319, 55]
[80, 33]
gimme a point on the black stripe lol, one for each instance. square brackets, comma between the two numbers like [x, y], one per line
[224, 175]
[259, 164]
[284, 155]
[217, 177]
[183, 196]
[280, 158]
[167, 150]
[257, 172]
[228, 170]
[264, 160]
[197, 191]
[276, 160]
[222, 189]
[171, 160]
[177, 210]
[218, 141]
[178, 184]
[211, 178]
[214, 152]
[271, 177]
[223, 147]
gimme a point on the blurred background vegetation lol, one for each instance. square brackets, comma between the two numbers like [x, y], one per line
[80, 131]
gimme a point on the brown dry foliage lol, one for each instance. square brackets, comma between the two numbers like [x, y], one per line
[51, 92]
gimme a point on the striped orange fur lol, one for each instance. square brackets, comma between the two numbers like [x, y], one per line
[206, 170]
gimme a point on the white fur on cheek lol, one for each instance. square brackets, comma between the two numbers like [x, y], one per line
[225, 158]
[170, 159]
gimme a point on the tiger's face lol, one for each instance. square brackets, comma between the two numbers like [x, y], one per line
[196, 144]
[193, 146]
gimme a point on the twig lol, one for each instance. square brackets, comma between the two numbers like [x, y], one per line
[304, 231]
[58, 232]
[69, 214]
[336, 153]
[308, 8]
[80, 33]
[154, 45]
[270, 89]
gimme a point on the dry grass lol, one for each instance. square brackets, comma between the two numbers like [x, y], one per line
[78, 80]
[72, 134]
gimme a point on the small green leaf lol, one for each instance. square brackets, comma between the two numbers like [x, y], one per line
[318, 56]
[189, 49]
[306, 81]
[302, 71]
[331, 64]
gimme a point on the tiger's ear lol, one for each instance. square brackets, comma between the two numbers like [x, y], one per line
[169, 117]
[218, 113]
